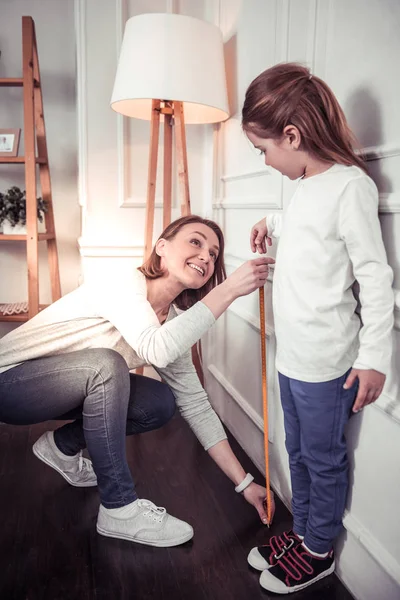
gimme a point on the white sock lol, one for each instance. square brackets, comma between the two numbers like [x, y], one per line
[301, 537]
[123, 512]
[315, 553]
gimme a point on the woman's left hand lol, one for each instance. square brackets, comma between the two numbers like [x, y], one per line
[256, 496]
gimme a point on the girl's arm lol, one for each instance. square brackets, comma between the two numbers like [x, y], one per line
[359, 227]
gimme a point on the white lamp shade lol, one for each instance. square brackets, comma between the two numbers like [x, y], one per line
[171, 57]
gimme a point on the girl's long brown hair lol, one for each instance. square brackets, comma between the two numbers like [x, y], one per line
[152, 269]
[287, 94]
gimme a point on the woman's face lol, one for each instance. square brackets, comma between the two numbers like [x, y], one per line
[189, 258]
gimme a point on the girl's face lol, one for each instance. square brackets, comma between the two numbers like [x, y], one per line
[284, 154]
[189, 258]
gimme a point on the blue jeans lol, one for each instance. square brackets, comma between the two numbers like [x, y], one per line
[93, 387]
[315, 415]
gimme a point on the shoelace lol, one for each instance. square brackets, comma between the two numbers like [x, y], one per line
[84, 464]
[157, 513]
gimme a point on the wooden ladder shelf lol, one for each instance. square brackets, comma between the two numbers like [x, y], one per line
[34, 137]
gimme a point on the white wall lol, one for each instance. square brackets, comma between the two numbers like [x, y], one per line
[54, 21]
[354, 45]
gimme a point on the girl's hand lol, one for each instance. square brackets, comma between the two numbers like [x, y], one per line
[256, 496]
[371, 383]
[258, 235]
[249, 276]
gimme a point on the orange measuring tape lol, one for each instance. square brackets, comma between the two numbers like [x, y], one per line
[265, 403]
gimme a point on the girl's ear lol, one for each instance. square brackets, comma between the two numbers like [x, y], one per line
[292, 136]
[160, 247]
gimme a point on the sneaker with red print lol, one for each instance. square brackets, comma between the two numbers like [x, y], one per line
[265, 557]
[296, 570]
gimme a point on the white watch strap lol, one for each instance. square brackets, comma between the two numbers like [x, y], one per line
[244, 484]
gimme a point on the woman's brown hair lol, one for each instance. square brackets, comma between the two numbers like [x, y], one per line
[287, 94]
[152, 269]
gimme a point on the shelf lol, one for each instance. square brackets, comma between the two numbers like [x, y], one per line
[14, 318]
[21, 318]
[19, 160]
[42, 237]
[15, 82]
[11, 82]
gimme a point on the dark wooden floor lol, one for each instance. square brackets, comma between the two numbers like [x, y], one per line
[50, 549]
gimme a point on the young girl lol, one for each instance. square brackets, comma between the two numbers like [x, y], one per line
[329, 361]
[72, 361]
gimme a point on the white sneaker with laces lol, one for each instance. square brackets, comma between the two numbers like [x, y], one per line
[77, 470]
[145, 523]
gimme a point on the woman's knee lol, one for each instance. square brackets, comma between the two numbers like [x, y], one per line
[108, 372]
[107, 361]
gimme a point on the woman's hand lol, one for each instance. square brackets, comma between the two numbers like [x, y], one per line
[249, 276]
[258, 235]
[256, 496]
[371, 383]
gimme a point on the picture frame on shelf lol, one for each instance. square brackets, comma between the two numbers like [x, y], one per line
[9, 142]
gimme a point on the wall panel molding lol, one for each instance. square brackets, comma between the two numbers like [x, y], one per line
[253, 321]
[390, 406]
[268, 201]
[378, 152]
[89, 249]
[245, 175]
[239, 399]
[389, 203]
[311, 34]
[282, 22]
[81, 99]
[376, 550]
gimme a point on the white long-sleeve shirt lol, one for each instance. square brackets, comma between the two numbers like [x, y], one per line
[115, 313]
[330, 237]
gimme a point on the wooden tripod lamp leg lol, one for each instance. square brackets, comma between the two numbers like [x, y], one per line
[181, 157]
[167, 179]
[152, 176]
[183, 177]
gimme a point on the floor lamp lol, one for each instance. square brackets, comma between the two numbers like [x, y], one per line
[172, 67]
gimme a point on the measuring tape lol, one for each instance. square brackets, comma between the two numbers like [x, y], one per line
[265, 402]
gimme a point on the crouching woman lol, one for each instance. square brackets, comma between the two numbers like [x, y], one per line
[73, 361]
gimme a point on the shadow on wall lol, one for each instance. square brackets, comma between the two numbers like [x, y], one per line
[353, 432]
[364, 115]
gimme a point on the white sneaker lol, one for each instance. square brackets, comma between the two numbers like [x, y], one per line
[77, 470]
[145, 523]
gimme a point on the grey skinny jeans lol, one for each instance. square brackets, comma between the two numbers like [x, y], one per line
[95, 388]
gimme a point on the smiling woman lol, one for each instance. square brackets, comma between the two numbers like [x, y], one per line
[73, 361]
[199, 243]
